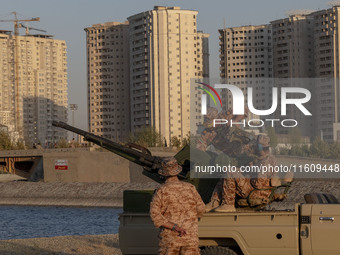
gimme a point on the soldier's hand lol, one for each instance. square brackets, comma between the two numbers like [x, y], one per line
[181, 231]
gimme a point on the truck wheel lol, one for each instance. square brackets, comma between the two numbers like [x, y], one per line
[217, 250]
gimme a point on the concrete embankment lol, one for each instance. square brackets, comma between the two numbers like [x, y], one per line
[67, 194]
[111, 194]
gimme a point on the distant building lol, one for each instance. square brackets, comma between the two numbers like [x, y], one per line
[293, 51]
[307, 45]
[166, 52]
[327, 66]
[246, 52]
[293, 46]
[108, 80]
[33, 89]
[246, 61]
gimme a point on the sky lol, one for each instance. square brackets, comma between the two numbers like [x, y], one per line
[66, 20]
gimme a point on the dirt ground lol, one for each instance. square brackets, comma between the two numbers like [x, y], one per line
[62, 245]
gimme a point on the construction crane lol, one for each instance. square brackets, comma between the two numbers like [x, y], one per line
[16, 22]
[16, 66]
[31, 28]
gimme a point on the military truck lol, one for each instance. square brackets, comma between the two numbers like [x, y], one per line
[308, 229]
[311, 228]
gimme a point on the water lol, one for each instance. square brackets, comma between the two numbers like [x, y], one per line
[18, 222]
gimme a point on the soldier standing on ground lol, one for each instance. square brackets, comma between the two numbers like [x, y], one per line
[175, 208]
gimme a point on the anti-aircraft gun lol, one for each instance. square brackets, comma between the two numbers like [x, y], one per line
[187, 157]
[143, 157]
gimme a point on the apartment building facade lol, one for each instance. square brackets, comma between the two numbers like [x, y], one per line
[33, 89]
[307, 45]
[108, 74]
[166, 53]
[293, 47]
[293, 58]
[246, 61]
[327, 70]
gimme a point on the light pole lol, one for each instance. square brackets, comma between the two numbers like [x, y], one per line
[73, 107]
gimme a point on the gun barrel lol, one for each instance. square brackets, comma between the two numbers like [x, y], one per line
[134, 153]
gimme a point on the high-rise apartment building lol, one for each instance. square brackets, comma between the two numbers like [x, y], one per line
[327, 70]
[246, 52]
[304, 45]
[293, 47]
[307, 45]
[246, 60]
[293, 58]
[166, 52]
[108, 74]
[33, 89]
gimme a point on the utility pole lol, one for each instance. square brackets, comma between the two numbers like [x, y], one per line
[73, 107]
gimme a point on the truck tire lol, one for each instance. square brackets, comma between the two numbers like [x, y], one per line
[217, 250]
[320, 198]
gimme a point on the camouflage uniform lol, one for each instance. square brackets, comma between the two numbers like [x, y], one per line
[179, 203]
[237, 184]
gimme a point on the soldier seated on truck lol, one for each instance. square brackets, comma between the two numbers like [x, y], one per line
[224, 195]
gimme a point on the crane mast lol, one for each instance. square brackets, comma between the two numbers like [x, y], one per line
[16, 21]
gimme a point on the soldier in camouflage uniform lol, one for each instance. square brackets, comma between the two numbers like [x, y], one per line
[175, 208]
[223, 198]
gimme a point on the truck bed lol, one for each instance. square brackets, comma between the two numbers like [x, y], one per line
[276, 230]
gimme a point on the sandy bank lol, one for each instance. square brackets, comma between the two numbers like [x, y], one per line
[66, 194]
[62, 245]
[111, 194]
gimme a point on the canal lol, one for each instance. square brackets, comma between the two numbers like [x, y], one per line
[18, 222]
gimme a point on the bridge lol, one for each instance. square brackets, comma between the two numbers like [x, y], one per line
[65, 165]
[28, 163]
[89, 165]
[25, 163]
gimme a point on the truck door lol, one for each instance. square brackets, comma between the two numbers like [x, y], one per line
[325, 229]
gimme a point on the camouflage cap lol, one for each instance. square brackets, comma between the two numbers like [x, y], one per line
[264, 140]
[170, 167]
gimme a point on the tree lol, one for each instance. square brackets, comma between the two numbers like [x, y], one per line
[273, 138]
[147, 137]
[284, 151]
[320, 148]
[62, 143]
[19, 145]
[175, 142]
[5, 141]
[335, 150]
[299, 150]
[295, 136]
[186, 140]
